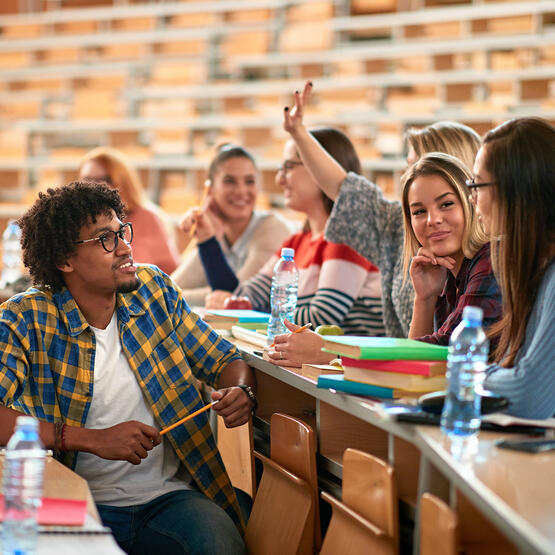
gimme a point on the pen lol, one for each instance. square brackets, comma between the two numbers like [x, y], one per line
[202, 199]
[298, 330]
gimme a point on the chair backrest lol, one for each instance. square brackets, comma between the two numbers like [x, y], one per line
[350, 534]
[370, 489]
[438, 527]
[237, 451]
[293, 446]
[281, 519]
[366, 521]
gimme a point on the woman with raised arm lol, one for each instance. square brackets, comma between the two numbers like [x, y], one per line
[152, 241]
[336, 284]
[514, 191]
[378, 234]
[228, 224]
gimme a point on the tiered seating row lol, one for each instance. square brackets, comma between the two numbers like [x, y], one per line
[166, 82]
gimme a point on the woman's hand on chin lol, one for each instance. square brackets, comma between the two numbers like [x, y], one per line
[428, 273]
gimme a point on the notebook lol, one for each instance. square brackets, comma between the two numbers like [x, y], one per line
[383, 348]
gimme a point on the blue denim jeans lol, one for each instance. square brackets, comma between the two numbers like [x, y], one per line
[184, 521]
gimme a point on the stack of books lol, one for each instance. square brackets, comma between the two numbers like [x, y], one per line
[385, 367]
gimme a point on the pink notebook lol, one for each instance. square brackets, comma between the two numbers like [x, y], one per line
[59, 512]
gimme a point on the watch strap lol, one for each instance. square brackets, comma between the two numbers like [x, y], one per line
[249, 391]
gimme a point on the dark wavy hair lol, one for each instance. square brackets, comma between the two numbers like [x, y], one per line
[225, 152]
[53, 223]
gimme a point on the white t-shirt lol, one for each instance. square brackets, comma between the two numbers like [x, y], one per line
[117, 397]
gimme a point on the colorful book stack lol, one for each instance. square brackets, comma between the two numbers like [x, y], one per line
[386, 367]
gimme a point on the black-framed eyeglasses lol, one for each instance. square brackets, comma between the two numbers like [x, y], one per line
[109, 239]
[289, 165]
[473, 187]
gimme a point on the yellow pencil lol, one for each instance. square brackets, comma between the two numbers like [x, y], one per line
[183, 420]
[202, 199]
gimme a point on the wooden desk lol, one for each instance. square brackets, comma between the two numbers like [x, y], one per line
[514, 490]
[61, 482]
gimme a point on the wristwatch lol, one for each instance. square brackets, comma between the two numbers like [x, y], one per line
[249, 391]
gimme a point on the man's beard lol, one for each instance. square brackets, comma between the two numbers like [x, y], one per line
[128, 287]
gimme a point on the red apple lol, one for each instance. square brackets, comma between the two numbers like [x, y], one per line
[237, 303]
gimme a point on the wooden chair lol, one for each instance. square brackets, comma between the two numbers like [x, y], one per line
[293, 446]
[237, 451]
[438, 527]
[283, 516]
[366, 521]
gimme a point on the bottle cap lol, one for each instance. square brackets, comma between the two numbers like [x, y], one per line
[26, 422]
[473, 313]
[286, 251]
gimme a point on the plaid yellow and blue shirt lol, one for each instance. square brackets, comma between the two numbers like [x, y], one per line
[47, 352]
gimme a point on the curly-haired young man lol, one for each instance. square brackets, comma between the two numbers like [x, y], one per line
[104, 353]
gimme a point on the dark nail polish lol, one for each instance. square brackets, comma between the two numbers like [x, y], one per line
[286, 109]
[296, 92]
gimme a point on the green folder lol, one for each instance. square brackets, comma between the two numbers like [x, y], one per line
[383, 348]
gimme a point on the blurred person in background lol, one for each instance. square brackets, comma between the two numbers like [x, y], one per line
[152, 243]
[337, 286]
[228, 223]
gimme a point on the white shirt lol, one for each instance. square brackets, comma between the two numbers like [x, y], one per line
[117, 398]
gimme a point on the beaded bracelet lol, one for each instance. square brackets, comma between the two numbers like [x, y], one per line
[60, 437]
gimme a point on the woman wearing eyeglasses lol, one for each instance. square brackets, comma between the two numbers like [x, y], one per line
[153, 244]
[514, 195]
[336, 285]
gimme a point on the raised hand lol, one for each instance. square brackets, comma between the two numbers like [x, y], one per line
[293, 118]
[129, 441]
[428, 273]
[199, 221]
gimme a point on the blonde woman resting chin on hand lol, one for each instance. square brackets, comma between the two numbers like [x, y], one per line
[446, 249]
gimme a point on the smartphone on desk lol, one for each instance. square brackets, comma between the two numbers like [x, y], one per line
[528, 446]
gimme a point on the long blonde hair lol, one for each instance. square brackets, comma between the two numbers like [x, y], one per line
[122, 175]
[455, 173]
[451, 137]
[520, 156]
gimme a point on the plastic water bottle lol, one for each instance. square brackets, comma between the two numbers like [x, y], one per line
[466, 363]
[283, 296]
[23, 471]
[11, 253]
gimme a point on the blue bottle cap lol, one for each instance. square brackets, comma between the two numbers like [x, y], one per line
[473, 313]
[289, 252]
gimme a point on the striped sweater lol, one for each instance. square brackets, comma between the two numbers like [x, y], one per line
[336, 286]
